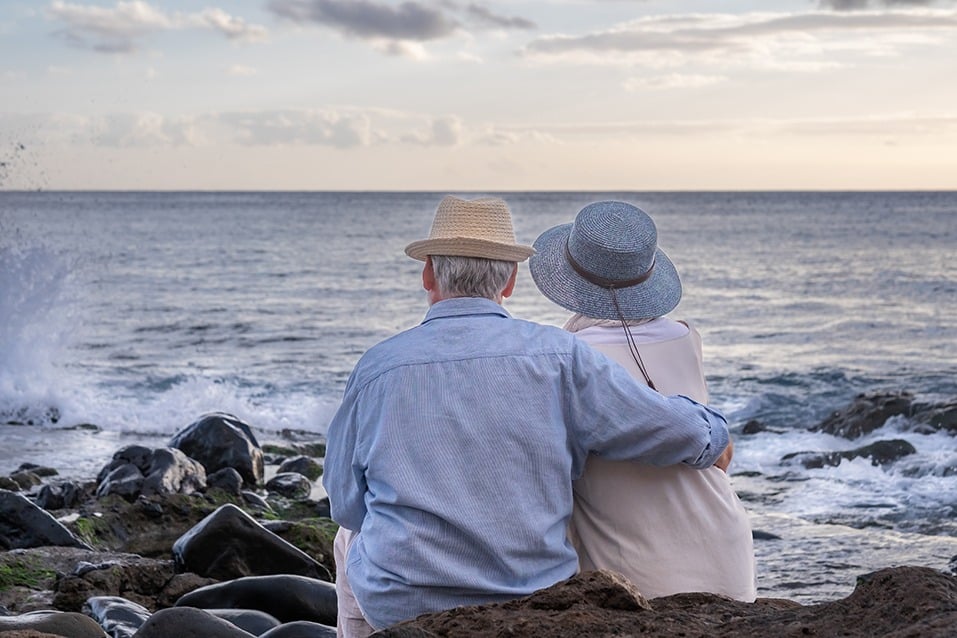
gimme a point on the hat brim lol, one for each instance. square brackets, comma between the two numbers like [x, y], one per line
[557, 280]
[468, 247]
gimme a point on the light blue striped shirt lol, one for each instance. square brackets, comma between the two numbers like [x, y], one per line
[454, 450]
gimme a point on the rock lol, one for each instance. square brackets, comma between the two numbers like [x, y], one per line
[305, 465]
[136, 470]
[898, 602]
[880, 453]
[314, 536]
[226, 479]
[23, 524]
[229, 544]
[288, 598]
[291, 485]
[252, 620]
[221, 440]
[26, 479]
[138, 580]
[941, 416]
[121, 618]
[39, 470]
[188, 622]
[62, 495]
[57, 623]
[7, 483]
[301, 629]
[255, 501]
[865, 414]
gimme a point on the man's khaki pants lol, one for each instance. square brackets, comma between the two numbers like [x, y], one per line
[350, 623]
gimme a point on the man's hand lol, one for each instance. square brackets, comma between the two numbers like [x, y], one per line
[725, 459]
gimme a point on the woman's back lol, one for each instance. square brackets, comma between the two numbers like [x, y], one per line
[667, 529]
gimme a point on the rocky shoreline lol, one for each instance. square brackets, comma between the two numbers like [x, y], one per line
[190, 539]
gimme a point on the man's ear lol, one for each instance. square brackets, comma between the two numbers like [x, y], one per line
[428, 275]
[510, 286]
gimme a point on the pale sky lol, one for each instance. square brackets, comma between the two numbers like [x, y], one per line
[478, 95]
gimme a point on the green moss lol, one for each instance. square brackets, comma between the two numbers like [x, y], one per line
[89, 529]
[20, 574]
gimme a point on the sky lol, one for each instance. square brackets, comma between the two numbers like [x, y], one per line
[471, 95]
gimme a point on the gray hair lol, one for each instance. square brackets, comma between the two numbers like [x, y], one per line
[471, 276]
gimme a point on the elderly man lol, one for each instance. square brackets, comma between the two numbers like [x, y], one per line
[451, 459]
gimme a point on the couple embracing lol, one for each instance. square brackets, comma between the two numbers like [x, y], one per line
[477, 457]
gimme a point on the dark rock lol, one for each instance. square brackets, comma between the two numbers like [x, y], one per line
[7, 483]
[941, 416]
[865, 414]
[252, 620]
[121, 618]
[753, 427]
[897, 602]
[288, 598]
[314, 536]
[221, 440]
[256, 501]
[759, 535]
[291, 485]
[879, 452]
[57, 623]
[229, 544]
[26, 479]
[39, 470]
[134, 578]
[323, 508]
[136, 470]
[305, 465]
[301, 629]
[62, 495]
[188, 622]
[23, 524]
[226, 479]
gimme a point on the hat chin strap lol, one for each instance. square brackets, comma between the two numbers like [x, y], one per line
[611, 285]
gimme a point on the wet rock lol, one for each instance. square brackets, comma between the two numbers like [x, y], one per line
[252, 620]
[291, 485]
[288, 598]
[255, 501]
[305, 465]
[898, 602]
[134, 578]
[301, 629]
[229, 544]
[880, 453]
[941, 416]
[39, 470]
[23, 524]
[221, 440]
[7, 483]
[314, 536]
[137, 470]
[865, 414]
[188, 622]
[57, 623]
[226, 479]
[26, 479]
[62, 495]
[121, 618]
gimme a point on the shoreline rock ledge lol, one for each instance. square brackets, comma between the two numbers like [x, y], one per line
[896, 602]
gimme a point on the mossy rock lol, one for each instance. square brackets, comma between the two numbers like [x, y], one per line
[314, 536]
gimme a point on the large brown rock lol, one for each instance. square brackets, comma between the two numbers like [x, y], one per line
[894, 602]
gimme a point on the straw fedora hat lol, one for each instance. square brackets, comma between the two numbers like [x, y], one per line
[609, 255]
[471, 228]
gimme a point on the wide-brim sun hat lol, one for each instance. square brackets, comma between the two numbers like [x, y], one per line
[471, 228]
[609, 253]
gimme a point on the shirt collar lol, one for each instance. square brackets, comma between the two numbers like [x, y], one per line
[464, 306]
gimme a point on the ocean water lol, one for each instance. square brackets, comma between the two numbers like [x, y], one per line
[138, 312]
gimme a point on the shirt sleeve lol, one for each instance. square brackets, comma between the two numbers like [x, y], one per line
[619, 418]
[343, 477]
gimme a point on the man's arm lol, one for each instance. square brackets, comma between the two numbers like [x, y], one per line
[342, 479]
[619, 418]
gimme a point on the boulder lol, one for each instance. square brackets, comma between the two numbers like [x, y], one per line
[941, 416]
[121, 618]
[305, 465]
[865, 414]
[62, 495]
[291, 485]
[301, 629]
[252, 620]
[898, 602]
[188, 622]
[221, 440]
[136, 471]
[226, 479]
[879, 452]
[288, 598]
[230, 544]
[137, 580]
[58, 623]
[23, 524]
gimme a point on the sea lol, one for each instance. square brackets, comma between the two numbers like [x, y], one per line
[138, 312]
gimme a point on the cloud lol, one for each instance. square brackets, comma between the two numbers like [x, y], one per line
[444, 131]
[760, 39]
[239, 70]
[395, 29]
[852, 5]
[672, 81]
[117, 29]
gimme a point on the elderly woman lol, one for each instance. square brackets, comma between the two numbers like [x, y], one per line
[668, 529]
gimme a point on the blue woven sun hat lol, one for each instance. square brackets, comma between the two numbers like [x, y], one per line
[610, 252]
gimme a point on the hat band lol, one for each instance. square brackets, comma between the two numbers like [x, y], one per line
[603, 281]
